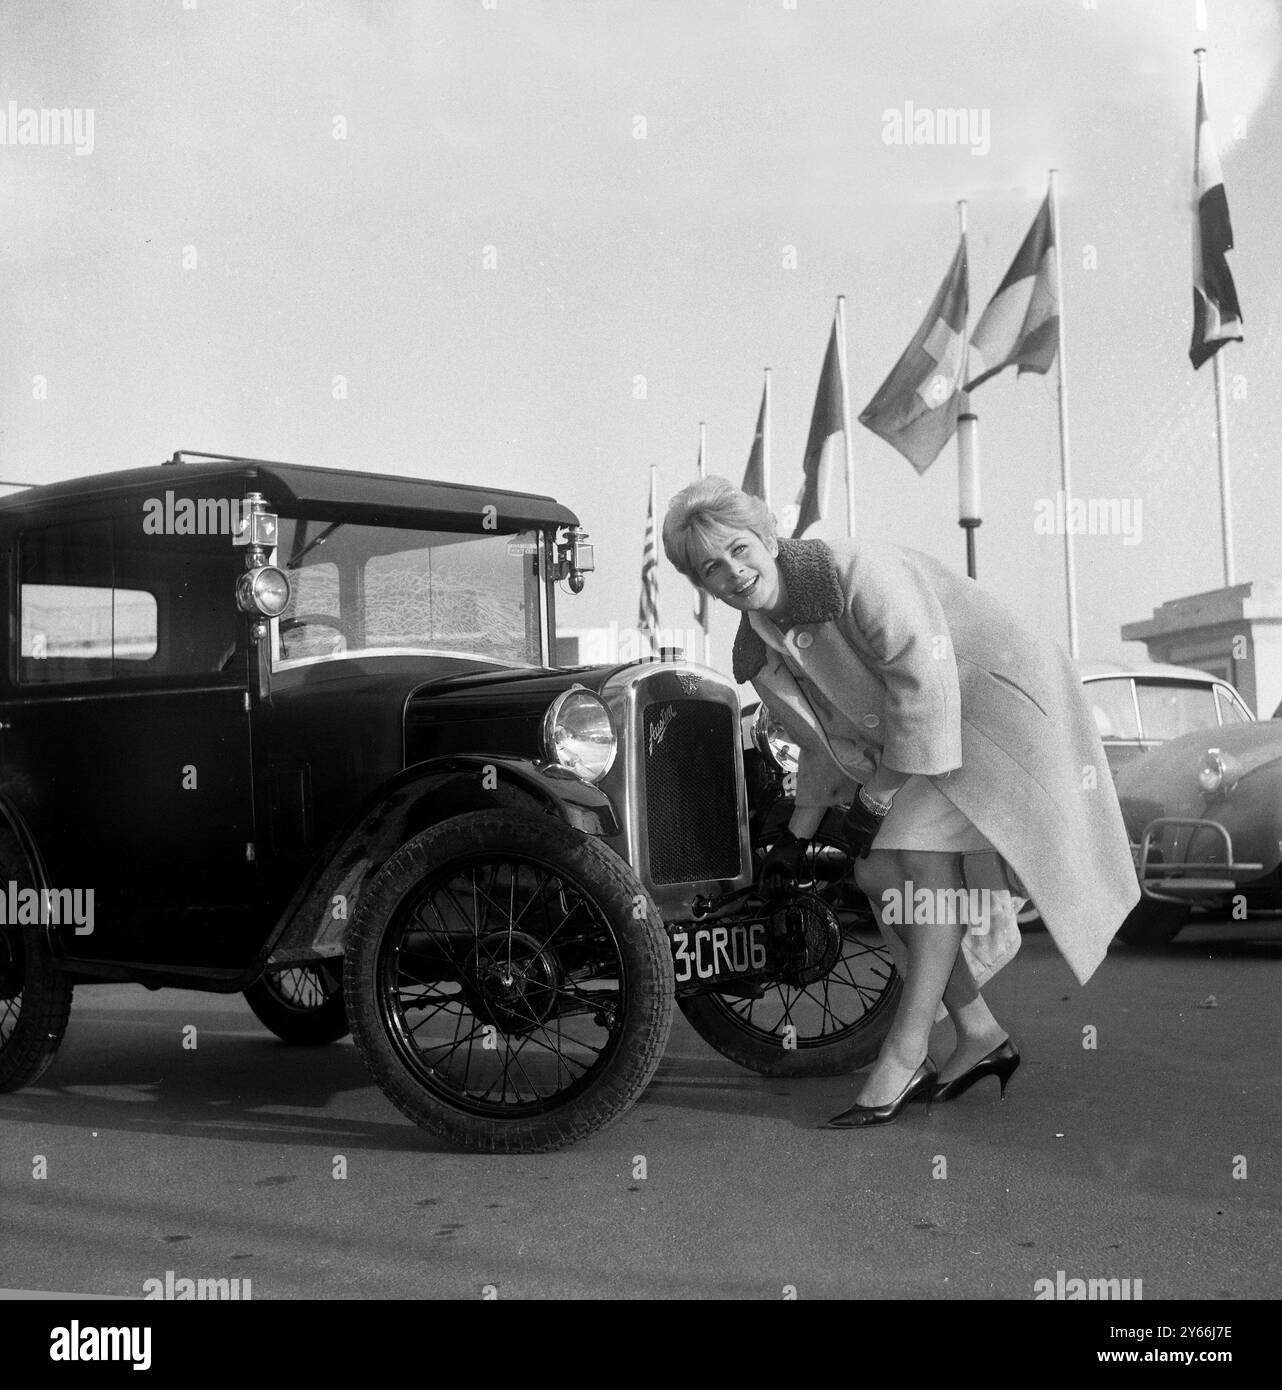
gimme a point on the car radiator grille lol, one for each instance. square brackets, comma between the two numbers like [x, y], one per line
[691, 800]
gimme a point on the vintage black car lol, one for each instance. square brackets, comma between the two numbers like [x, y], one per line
[299, 732]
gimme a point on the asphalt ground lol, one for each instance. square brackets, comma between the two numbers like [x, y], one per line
[1151, 1155]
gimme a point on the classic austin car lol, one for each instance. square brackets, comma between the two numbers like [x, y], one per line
[298, 732]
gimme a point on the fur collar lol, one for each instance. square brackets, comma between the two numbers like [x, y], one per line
[814, 596]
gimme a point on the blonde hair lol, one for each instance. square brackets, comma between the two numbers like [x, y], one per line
[707, 506]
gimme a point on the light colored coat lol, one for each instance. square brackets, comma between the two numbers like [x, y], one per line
[940, 678]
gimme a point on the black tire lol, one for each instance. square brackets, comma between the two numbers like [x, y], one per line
[302, 1005]
[432, 932]
[840, 1021]
[35, 997]
[1153, 923]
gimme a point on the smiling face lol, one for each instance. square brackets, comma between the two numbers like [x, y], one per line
[739, 568]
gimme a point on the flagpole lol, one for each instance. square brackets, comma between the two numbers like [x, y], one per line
[1222, 446]
[765, 441]
[968, 516]
[1221, 409]
[1065, 467]
[703, 594]
[845, 416]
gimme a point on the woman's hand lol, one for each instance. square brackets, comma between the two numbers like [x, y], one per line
[782, 866]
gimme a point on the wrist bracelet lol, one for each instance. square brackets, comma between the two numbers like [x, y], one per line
[878, 808]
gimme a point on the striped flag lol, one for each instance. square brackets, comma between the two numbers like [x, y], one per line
[915, 409]
[1020, 327]
[648, 610]
[1217, 317]
[827, 423]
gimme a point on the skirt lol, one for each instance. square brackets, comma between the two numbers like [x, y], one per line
[922, 818]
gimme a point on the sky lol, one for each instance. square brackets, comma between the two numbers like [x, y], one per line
[540, 242]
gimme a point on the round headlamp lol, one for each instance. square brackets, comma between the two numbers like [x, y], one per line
[578, 735]
[1218, 772]
[264, 591]
[773, 742]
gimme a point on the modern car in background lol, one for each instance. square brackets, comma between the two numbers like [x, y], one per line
[1203, 810]
[1138, 708]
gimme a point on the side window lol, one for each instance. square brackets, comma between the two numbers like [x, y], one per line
[99, 601]
[1114, 709]
[1230, 711]
[66, 605]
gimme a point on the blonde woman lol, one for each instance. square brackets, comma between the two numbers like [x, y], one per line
[951, 728]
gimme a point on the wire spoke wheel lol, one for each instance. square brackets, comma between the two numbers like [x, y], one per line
[302, 1004]
[833, 1008]
[508, 983]
[503, 985]
[824, 1028]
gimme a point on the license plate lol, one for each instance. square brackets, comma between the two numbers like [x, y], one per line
[718, 952]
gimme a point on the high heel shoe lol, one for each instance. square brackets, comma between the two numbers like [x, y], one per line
[919, 1088]
[1000, 1062]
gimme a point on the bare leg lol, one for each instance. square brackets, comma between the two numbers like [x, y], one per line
[978, 1032]
[932, 950]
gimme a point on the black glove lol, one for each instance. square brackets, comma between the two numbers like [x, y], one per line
[782, 867]
[859, 828]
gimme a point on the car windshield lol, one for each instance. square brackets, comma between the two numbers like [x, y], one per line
[1171, 708]
[360, 590]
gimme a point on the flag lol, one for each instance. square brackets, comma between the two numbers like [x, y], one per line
[1020, 327]
[754, 476]
[1217, 317]
[648, 610]
[827, 421]
[916, 407]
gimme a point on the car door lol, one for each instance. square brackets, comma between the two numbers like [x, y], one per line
[129, 738]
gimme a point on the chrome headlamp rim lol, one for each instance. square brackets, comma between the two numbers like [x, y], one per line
[553, 753]
[250, 591]
[1218, 772]
[783, 752]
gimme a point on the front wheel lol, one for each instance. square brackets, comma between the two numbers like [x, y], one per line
[828, 1028]
[302, 1005]
[509, 983]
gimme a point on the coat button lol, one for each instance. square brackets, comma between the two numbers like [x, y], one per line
[804, 639]
[871, 721]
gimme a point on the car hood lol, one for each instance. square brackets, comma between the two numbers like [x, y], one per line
[1172, 767]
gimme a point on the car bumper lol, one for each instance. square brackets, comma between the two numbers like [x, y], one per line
[1169, 871]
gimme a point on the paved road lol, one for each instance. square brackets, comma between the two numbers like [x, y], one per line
[1112, 1161]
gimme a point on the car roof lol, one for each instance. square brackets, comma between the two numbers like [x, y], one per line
[348, 493]
[1091, 669]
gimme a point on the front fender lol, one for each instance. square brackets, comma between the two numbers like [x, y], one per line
[315, 923]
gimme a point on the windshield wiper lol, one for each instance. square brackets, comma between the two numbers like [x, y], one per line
[297, 556]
